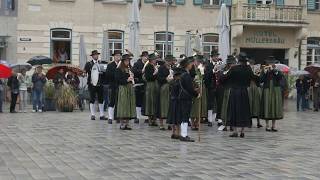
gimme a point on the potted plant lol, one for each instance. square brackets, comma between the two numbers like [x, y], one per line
[66, 99]
[49, 97]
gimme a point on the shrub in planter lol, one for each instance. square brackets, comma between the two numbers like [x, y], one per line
[66, 99]
[49, 97]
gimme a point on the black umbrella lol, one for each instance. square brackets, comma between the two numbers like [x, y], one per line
[39, 60]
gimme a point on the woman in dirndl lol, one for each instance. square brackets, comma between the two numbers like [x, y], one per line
[238, 105]
[255, 93]
[199, 105]
[152, 89]
[126, 101]
[272, 99]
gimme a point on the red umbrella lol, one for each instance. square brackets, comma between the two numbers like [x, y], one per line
[66, 67]
[283, 68]
[313, 69]
[5, 71]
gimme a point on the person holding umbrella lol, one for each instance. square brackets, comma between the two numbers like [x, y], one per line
[302, 90]
[24, 82]
[39, 80]
[13, 84]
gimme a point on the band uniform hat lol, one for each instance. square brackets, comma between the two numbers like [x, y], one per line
[95, 52]
[126, 57]
[152, 56]
[199, 58]
[117, 52]
[242, 57]
[144, 53]
[186, 61]
[214, 53]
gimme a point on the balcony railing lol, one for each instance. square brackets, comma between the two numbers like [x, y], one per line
[268, 13]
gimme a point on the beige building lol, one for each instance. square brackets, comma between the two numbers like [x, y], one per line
[286, 29]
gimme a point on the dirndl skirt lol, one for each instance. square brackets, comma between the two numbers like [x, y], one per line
[151, 98]
[126, 102]
[164, 100]
[239, 108]
[272, 104]
[224, 108]
[200, 104]
[255, 95]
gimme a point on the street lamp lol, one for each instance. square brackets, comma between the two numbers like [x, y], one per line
[168, 4]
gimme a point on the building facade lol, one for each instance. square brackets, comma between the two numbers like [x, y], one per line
[286, 29]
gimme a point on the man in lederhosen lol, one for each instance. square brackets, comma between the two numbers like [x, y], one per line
[139, 90]
[111, 81]
[95, 77]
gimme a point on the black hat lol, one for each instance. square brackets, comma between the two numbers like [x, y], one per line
[186, 61]
[199, 58]
[231, 60]
[243, 57]
[95, 52]
[214, 53]
[126, 57]
[252, 61]
[178, 71]
[152, 56]
[169, 58]
[144, 53]
[117, 52]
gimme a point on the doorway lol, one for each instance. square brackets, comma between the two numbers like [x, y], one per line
[260, 55]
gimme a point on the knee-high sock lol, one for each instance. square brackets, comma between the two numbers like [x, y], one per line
[92, 109]
[210, 118]
[184, 129]
[214, 116]
[111, 113]
[138, 109]
[101, 110]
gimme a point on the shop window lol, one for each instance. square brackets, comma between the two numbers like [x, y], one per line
[160, 43]
[61, 40]
[210, 42]
[313, 52]
[116, 41]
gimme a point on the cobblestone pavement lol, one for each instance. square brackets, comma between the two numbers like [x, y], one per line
[69, 146]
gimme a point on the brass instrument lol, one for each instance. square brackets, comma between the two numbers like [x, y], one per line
[131, 75]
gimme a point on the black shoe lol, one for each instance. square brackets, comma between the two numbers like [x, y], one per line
[13, 111]
[189, 124]
[173, 136]
[93, 118]
[146, 121]
[234, 135]
[268, 129]
[210, 124]
[153, 124]
[162, 128]
[186, 139]
[231, 129]
[103, 118]
[169, 128]
[274, 130]
[242, 135]
[110, 121]
[136, 121]
[127, 128]
[225, 129]
[316, 110]
[219, 124]
[194, 129]
[259, 126]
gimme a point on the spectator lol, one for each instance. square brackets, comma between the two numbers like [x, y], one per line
[302, 90]
[316, 92]
[1, 94]
[24, 82]
[59, 79]
[74, 83]
[38, 80]
[13, 84]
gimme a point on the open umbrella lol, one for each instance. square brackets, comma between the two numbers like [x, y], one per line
[313, 69]
[39, 60]
[5, 71]
[283, 68]
[66, 67]
[21, 66]
[224, 29]
[134, 29]
[299, 72]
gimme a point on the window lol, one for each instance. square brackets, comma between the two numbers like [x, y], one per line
[10, 4]
[211, 2]
[160, 43]
[210, 42]
[264, 2]
[313, 53]
[317, 4]
[116, 41]
[160, 1]
[61, 40]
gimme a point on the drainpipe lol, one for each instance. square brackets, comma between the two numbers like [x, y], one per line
[299, 57]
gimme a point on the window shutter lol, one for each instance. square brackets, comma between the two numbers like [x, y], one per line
[149, 1]
[180, 2]
[311, 5]
[227, 2]
[252, 1]
[197, 2]
[279, 2]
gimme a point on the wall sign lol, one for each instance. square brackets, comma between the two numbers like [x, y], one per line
[25, 39]
[265, 37]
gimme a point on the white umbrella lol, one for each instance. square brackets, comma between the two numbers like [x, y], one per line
[105, 52]
[134, 26]
[187, 46]
[82, 53]
[197, 43]
[299, 72]
[224, 29]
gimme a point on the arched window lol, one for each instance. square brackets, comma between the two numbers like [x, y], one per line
[160, 43]
[116, 40]
[210, 42]
[313, 54]
[61, 41]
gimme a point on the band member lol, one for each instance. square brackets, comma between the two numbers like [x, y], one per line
[199, 105]
[187, 93]
[255, 93]
[152, 88]
[173, 112]
[210, 83]
[272, 102]
[126, 100]
[239, 107]
[164, 76]
[139, 90]
[111, 81]
[95, 77]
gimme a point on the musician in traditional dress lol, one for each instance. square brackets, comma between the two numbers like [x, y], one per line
[95, 78]
[111, 81]
[150, 71]
[239, 115]
[139, 90]
[126, 100]
[164, 76]
[199, 105]
[272, 102]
